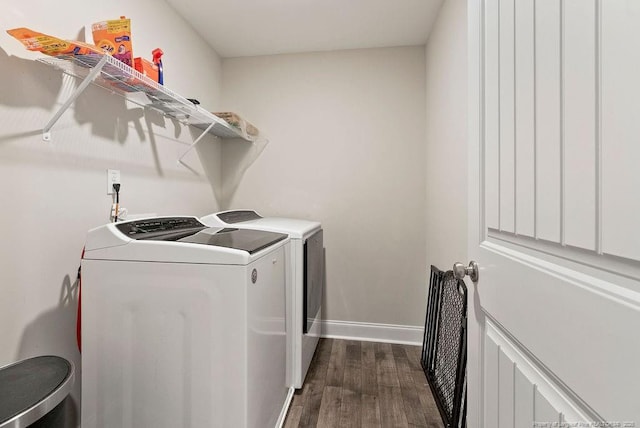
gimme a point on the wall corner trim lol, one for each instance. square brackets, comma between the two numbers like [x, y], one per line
[370, 332]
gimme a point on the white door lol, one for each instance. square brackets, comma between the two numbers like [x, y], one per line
[554, 197]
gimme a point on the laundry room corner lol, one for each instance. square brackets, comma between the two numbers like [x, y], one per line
[55, 191]
[346, 149]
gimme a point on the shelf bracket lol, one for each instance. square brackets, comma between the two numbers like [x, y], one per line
[46, 131]
[196, 141]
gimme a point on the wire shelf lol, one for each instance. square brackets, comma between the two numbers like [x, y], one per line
[117, 77]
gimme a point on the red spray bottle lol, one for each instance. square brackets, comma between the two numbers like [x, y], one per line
[157, 60]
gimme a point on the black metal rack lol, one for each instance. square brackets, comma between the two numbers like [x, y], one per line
[444, 348]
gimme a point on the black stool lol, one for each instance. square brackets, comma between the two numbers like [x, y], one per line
[32, 390]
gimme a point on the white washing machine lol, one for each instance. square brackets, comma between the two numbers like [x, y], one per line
[305, 281]
[183, 326]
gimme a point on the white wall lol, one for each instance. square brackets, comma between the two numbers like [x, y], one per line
[446, 124]
[346, 148]
[54, 192]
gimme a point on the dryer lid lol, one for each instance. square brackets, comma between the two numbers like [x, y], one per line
[248, 219]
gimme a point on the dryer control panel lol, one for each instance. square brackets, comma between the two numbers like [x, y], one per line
[238, 216]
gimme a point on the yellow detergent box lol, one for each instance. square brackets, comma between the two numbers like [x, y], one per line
[114, 37]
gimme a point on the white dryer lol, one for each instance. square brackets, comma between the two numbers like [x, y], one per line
[305, 281]
[183, 326]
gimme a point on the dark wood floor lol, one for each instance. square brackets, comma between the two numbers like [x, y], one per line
[364, 384]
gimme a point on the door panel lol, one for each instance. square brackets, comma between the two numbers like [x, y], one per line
[506, 113]
[506, 391]
[553, 161]
[547, 118]
[524, 118]
[577, 327]
[492, 109]
[524, 393]
[544, 411]
[491, 386]
[620, 128]
[580, 123]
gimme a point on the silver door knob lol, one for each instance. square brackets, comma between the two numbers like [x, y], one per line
[460, 270]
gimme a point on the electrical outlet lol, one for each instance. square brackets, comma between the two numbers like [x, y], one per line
[113, 176]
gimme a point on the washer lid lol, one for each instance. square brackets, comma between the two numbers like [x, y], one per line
[247, 240]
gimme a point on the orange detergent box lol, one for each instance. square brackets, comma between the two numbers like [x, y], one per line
[114, 37]
[49, 45]
[146, 68]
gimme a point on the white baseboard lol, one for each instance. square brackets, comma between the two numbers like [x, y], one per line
[369, 332]
[285, 408]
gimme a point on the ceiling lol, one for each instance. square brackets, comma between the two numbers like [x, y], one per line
[266, 27]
